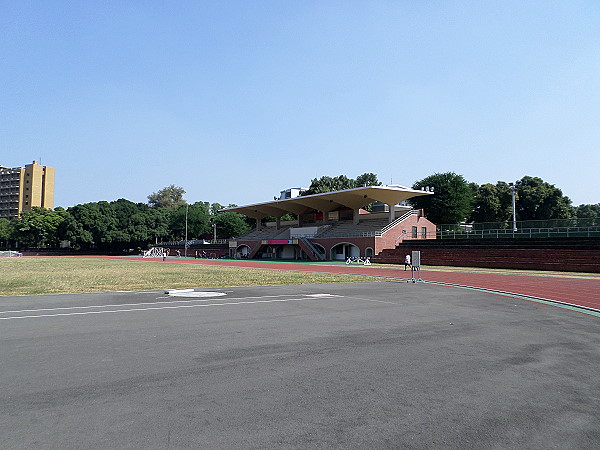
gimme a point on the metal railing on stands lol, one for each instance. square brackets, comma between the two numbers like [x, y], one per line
[524, 229]
[319, 253]
[193, 242]
[402, 218]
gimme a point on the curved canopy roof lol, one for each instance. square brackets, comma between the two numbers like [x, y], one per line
[330, 201]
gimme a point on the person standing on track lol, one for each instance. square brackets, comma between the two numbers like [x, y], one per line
[407, 262]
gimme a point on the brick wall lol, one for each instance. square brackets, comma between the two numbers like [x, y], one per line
[572, 260]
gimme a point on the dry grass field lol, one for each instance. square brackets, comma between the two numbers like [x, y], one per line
[53, 275]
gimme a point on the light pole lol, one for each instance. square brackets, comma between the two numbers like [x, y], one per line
[186, 230]
[513, 188]
[214, 232]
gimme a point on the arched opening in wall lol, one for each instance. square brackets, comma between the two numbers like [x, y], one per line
[344, 250]
[369, 252]
[242, 252]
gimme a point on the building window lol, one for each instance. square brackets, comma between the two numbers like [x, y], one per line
[424, 232]
[415, 232]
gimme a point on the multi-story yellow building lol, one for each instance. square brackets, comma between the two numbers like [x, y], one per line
[22, 188]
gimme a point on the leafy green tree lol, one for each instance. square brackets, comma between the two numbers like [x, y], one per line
[98, 223]
[5, 232]
[215, 208]
[116, 225]
[587, 211]
[170, 197]
[158, 223]
[230, 224]
[341, 182]
[72, 231]
[329, 184]
[538, 200]
[137, 224]
[367, 179]
[197, 220]
[492, 203]
[38, 227]
[452, 201]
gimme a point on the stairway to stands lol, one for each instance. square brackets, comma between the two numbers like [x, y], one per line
[312, 251]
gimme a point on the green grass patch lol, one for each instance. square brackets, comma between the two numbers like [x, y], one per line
[57, 275]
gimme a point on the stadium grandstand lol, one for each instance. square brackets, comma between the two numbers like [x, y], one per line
[351, 223]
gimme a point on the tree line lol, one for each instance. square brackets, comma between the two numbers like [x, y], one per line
[121, 224]
[458, 200]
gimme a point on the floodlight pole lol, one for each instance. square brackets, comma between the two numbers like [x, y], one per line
[186, 231]
[513, 188]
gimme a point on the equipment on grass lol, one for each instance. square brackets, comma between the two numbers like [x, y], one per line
[156, 252]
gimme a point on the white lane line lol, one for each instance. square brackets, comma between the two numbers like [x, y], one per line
[162, 308]
[68, 308]
[374, 301]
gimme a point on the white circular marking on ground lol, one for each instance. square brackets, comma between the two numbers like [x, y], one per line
[171, 291]
[192, 293]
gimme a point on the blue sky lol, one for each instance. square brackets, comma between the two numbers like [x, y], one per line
[237, 100]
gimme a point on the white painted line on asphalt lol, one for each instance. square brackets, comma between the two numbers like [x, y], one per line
[67, 308]
[111, 292]
[319, 295]
[160, 308]
[373, 301]
[198, 294]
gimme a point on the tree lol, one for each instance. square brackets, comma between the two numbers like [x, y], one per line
[197, 221]
[98, 223]
[329, 184]
[367, 179]
[215, 208]
[170, 197]
[38, 227]
[339, 183]
[137, 224]
[452, 201]
[492, 203]
[230, 224]
[5, 232]
[72, 231]
[587, 211]
[538, 200]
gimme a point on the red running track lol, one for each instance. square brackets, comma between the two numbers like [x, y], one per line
[575, 289]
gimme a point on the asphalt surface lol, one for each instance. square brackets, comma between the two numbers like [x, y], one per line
[577, 289]
[367, 365]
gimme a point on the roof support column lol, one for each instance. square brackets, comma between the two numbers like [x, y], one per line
[278, 222]
[355, 216]
[392, 213]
